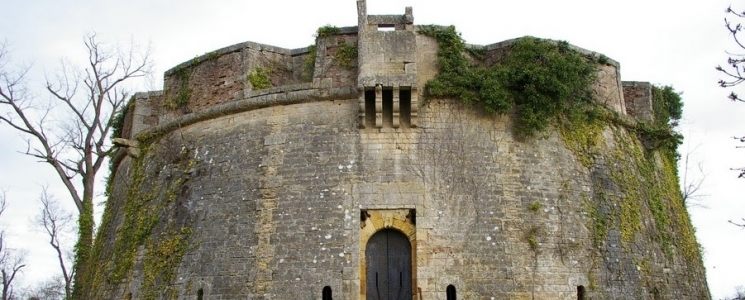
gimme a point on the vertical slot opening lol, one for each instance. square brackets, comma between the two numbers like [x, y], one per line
[327, 293]
[387, 107]
[404, 97]
[450, 292]
[370, 108]
[581, 292]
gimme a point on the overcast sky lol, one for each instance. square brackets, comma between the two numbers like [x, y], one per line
[674, 43]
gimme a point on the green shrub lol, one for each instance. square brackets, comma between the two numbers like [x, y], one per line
[309, 63]
[327, 31]
[537, 80]
[259, 79]
[346, 54]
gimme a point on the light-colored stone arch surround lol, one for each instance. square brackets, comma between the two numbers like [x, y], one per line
[402, 220]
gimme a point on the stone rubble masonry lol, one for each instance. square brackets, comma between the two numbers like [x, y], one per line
[287, 185]
[638, 96]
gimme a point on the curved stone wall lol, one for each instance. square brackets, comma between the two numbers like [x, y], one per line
[272, 194]
[275, 195]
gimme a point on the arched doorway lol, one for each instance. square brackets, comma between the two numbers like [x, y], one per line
[388, 274]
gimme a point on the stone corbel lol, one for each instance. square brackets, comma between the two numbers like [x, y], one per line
[132, 146]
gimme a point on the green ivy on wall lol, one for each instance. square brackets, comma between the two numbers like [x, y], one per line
[537, 80]
[309, 63]
[540, 83]
[180, 98]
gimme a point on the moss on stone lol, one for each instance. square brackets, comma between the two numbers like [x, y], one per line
[145, 206]
[628, 160]
[531, 236]
[584, 139]
[259, 78]
[534, 206]
[599, 223]
[162, 257]
[646, 183]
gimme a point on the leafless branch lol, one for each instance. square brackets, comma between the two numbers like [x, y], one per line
[738, 223]
[734, 72]
[50, 289]
[11, 260]
[693, 181]
[72, 136]
[71, 132]
[54, 221]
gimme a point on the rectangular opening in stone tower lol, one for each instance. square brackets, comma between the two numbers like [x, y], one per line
[387, 107]
[404, 98]
[386, 27]
[370, 108]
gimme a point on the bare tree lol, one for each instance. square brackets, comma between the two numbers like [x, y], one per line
[741, 223]
[734, 71]
[72, 134]
[693, 181]
[739, 294]
[11, 260]
[55, 222]
[51, 289]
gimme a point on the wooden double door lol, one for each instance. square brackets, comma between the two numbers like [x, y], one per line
[388, 262]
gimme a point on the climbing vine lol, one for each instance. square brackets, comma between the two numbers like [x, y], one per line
[667, 106]
[646, 182]
[537, 80]
[346, 54]
[543, 82]
[144, 207]
[117, 122]
[181, 98]
[309, 63]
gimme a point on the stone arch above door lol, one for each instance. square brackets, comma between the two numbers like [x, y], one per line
[373, 221]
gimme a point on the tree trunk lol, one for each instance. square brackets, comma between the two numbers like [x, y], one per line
[83, 247]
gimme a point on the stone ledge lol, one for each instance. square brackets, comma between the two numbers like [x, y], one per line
[279, 98]
[573, 47]
[280, 89]
[236, 48]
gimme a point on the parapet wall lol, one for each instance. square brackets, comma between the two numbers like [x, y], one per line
[221, 76]
[608, 88]
[638, 97]
[219, 79]
[217, 83]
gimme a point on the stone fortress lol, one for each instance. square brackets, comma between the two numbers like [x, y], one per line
[322, 173]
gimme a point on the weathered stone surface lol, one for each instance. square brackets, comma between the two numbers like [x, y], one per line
[638, 98]
[279, 189]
